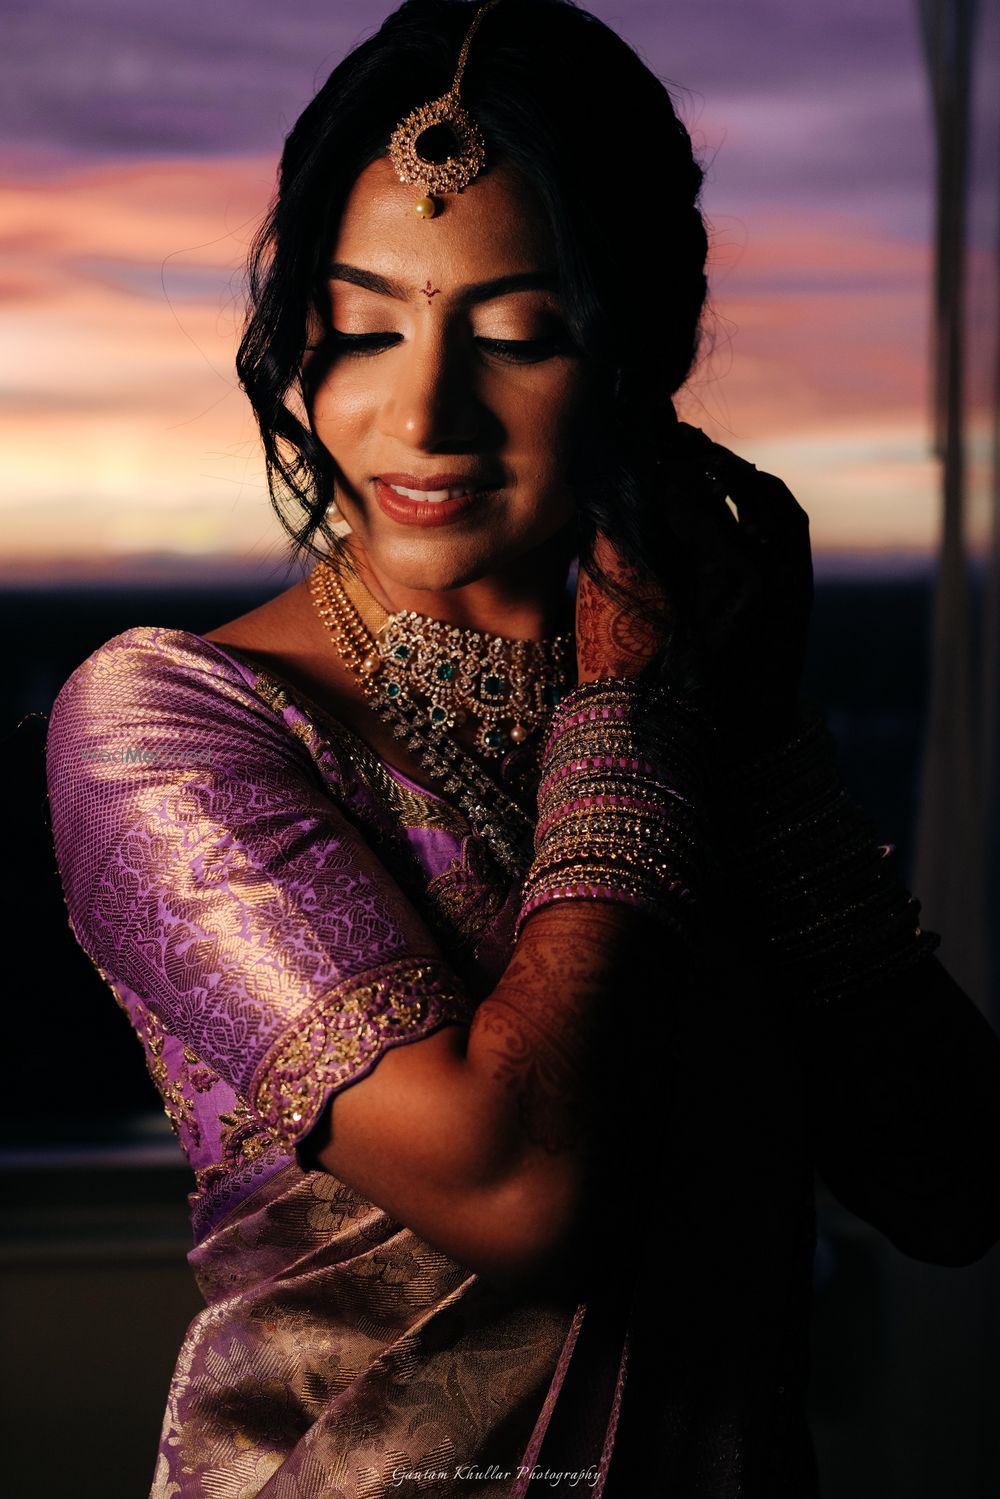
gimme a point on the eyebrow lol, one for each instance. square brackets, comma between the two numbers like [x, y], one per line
[466, 296]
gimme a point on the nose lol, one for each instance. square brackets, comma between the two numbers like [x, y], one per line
[432, 402]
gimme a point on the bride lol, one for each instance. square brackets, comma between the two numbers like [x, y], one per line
[498, 931]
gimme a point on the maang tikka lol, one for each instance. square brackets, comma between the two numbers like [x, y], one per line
[427, 124]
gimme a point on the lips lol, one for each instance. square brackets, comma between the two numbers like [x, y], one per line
[428, 512]
[467, 483]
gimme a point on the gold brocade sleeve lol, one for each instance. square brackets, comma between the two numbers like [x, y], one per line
[209, 873]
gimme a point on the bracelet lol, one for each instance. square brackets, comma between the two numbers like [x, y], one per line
[644, 806]
[620, 802]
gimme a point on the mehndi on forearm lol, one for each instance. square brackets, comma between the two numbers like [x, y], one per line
[821, 890]
[620, 857]
[547, 1035]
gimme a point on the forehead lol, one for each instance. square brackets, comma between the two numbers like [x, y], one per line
[496, 225]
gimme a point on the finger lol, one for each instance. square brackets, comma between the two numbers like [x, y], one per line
[696, 510]
[759, 497]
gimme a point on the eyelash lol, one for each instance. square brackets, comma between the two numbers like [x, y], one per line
[514, 351]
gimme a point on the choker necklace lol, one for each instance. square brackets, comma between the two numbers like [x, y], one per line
[451, 673]
[507, 827]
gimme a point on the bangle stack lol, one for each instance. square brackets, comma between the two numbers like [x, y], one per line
[825, 893]
[620, 801]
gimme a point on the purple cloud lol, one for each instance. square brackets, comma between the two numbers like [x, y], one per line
[819, 106]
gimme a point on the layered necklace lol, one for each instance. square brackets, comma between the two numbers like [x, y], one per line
[424, 677]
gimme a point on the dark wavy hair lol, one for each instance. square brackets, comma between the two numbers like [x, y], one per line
[571, 105]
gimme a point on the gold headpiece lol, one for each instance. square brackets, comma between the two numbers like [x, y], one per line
[453, 173]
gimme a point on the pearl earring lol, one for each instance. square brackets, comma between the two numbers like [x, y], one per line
[337, 521]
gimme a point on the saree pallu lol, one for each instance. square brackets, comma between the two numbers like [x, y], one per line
[274, 907]
[340, 1354]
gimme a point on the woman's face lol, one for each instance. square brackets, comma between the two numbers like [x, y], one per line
[453, 377]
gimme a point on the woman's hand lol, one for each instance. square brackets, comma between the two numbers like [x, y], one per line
[734, 623]
[611, 639]
[744, 617]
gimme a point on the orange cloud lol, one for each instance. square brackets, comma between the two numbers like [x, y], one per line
[126, 432]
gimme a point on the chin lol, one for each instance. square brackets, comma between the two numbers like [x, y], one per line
[438, 575]
[435, 564]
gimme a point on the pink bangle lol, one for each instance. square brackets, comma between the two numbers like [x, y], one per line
[644, 805]
[596, 762]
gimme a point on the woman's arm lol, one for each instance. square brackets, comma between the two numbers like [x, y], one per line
[906, 1113]
[215, 883]
[904, 1069]
[489, 1147]
[484, 1141]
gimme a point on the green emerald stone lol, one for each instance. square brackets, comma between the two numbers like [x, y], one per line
[445, 671]
[392, 690]
[437, 715]
[493, 738]
[402, 651]
[493, 683]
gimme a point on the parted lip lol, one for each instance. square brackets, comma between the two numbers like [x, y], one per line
[441, 481]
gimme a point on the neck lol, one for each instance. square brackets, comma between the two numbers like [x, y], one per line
[527, 601]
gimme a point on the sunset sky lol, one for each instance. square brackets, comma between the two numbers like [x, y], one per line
[140, 143]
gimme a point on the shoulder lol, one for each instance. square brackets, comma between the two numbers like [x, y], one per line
[156, 687]
[153, 671]
[148, 653]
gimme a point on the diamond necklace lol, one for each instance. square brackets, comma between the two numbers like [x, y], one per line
[461, 672]
[497, 818]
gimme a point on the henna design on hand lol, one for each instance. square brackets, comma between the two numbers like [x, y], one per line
[610, 642]
[611, 639]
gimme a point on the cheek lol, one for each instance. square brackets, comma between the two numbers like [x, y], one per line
[541, 420]
[543, 415]
[558, 427]
[342, 402]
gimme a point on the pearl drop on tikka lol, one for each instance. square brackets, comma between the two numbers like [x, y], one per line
[425, 208]
[519, 733]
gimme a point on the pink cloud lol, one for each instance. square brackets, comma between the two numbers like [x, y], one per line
[127, 394]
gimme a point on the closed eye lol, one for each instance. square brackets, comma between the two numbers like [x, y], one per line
[361, 343]
[523, 350]
[518, 351]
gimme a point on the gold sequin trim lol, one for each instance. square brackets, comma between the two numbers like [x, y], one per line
[243, 1135]
[470, 894]
[346, 1031]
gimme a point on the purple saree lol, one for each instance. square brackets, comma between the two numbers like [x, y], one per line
[274, 907]
[234, 865]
